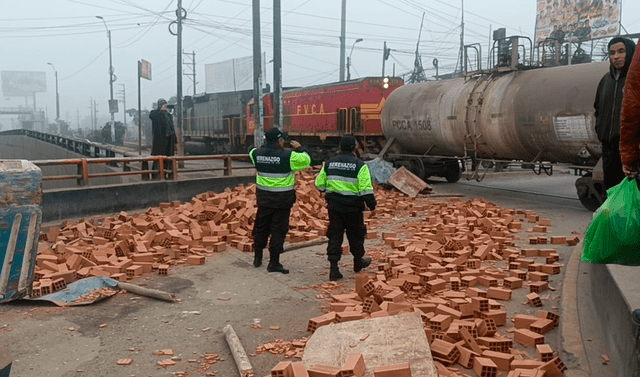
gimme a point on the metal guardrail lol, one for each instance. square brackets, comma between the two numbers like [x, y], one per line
[103, 154]
[162, 163]
[81, 146]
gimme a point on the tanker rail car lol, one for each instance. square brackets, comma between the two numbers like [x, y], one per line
[539, 116]
[319, 116]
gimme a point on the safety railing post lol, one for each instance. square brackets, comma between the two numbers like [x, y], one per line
[174, 169]
[227, 165]
[83, 170]
[161, 167]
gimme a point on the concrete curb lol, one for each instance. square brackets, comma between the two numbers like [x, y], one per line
[573, 352]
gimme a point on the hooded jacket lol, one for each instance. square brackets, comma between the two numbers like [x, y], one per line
[630, 118]
[608, 103]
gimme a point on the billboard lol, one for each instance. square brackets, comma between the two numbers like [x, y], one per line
[145, 69]
[23, 83]
[577, 20]
[232, 75]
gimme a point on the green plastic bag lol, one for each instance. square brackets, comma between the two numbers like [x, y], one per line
[613, 237]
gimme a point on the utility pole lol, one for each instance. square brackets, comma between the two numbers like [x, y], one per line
[462, 40]
[113, 107]
[258, 130]
[78, 117]
[277, 65]
[191, 75]
[124, 105]
[343, 32]
[95, 115]
[91, 112]
[57, 95]
[181, 14]
[385, 55]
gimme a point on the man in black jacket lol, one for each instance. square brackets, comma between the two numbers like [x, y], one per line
[346, 180]
[164, 134]
[275, 194]
[608, 105]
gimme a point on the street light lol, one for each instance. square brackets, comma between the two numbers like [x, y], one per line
[349, 58]
[111, 77]
[57, 96]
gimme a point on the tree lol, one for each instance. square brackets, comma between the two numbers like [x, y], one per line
[63, 127]
[53, 128]
[146, 123]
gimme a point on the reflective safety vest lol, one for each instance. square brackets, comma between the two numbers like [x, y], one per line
[347, 182]
[275, 178]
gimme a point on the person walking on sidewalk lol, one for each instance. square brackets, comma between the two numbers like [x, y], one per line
[275, 194]
[608, 104]
[346, 180]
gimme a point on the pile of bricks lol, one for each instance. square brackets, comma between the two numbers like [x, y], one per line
[455, 268]
[125, 246]
[290, 349]
[353, 366]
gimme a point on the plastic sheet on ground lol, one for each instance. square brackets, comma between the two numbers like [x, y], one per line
[380, 170]
[83, 292]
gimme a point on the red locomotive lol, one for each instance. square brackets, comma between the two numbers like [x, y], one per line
[319, 116]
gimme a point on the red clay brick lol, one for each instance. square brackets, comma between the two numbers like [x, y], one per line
[484, 367]
[354, 366]
[399, 370]
[527, 338]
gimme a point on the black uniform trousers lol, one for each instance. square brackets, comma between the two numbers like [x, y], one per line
[353, 223]
[272, 222]
[612, 164]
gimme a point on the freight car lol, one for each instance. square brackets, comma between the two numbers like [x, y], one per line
[319, 116]
[539, 116]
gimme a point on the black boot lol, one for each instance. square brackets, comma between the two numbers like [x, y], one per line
[257, 258]
[274, 264]
[360, 264]
[334, 272]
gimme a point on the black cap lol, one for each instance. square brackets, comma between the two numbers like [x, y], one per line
[161, 102]
[347, 143]
[274, 134]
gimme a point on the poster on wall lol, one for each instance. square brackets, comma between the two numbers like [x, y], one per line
[577, 20]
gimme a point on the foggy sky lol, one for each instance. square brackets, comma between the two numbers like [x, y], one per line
[67, 34]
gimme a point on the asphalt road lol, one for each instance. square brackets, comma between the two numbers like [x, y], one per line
[45, 340]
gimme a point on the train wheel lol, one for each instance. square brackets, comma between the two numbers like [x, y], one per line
[454, 172]
[417, 168]
[590, 193]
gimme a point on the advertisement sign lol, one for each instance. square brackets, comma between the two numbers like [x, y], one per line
[577, 20]
[23, 83]
[145, 69]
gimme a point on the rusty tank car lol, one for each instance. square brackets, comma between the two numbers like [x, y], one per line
[539, 116]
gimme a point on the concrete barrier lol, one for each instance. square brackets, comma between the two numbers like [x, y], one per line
[61, 204]
[615, 294]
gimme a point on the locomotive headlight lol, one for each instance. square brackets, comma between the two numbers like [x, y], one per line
[385, 83]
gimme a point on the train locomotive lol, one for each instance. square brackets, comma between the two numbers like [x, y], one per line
[316, 116]
[539, 116]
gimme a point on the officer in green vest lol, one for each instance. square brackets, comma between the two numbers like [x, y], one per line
[275, 194]
[346, 180]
